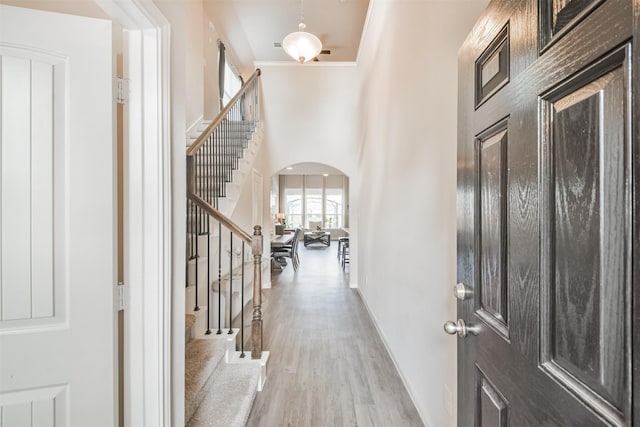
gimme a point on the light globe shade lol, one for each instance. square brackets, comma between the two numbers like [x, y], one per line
[302, 46]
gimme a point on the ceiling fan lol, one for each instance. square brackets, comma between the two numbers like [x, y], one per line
[322, 52]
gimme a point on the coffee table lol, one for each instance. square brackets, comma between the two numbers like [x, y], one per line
[323, 237]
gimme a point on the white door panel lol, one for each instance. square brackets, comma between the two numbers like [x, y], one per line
[57, 223]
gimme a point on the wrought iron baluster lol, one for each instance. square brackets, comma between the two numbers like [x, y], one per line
[230, 281]
[234, 140]
[219, 331]
[215, 158]
[212, 160]
[196, 260]
[225, 178]
[242, 305]
[187, 246]
[214, 165]
[238, 137]
[208, 219]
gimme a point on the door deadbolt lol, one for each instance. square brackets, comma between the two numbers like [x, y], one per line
[462, 291]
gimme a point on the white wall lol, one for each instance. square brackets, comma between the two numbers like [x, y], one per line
[187, 64]
[210, 46]
[238, 52]
[407, 188]
[187, 100]
[243, 212]
[311, 115]
[194, 60]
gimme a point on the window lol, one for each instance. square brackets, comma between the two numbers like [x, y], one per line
[307, 198]
[292, 200]
[232, 84]
[313, 190]
[335, 201]
[334, 209]
[293, 207]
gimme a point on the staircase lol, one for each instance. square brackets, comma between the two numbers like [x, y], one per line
[218, 392]
[232, 165]
[224, 270]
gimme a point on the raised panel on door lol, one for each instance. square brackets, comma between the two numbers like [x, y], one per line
[37, 407]
[492, 408]
[57, 236]
[558, 17]
[587, 259]
[546, 168]
[492, 67]
[32, 268]
[491, 284]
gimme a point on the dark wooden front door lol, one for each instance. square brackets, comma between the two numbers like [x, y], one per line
[548, 224]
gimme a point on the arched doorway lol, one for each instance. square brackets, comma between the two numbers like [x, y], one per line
[311, 196]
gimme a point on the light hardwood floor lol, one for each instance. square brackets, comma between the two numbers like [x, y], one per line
[328, 365]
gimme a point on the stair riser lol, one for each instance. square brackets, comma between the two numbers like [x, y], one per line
[200, 327]
[231, 136]
[214, 177]
[232, 147]
[224, 144]
[218, 159]
[215, 163]
[220, 140]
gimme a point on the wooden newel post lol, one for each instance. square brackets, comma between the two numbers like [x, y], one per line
[256, 324]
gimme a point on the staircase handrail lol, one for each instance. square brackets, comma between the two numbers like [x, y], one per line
[215, 213]
[255, 240]
[199, 142]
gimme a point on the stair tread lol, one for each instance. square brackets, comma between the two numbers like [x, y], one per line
[228, 397]
[202, 357]
[189, 323]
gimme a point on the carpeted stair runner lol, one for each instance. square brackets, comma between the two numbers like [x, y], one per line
[189, 324]
[217, 394]
[202, 357]
[228, 397]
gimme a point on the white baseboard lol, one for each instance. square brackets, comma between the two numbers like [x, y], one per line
[425, 420]
[353, 285]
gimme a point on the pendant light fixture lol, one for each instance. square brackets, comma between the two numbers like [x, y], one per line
[300, 45]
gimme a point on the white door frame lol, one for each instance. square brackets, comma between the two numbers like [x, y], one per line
[147, 212]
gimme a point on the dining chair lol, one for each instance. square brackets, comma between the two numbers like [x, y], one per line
[345, 254]
[289, 251]
[341, 242]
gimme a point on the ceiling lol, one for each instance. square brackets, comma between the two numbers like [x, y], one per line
[252, 26]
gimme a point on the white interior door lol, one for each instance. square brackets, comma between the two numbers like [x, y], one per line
[57, 221]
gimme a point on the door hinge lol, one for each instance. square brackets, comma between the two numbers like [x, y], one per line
[120, 295]
[122, 89]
